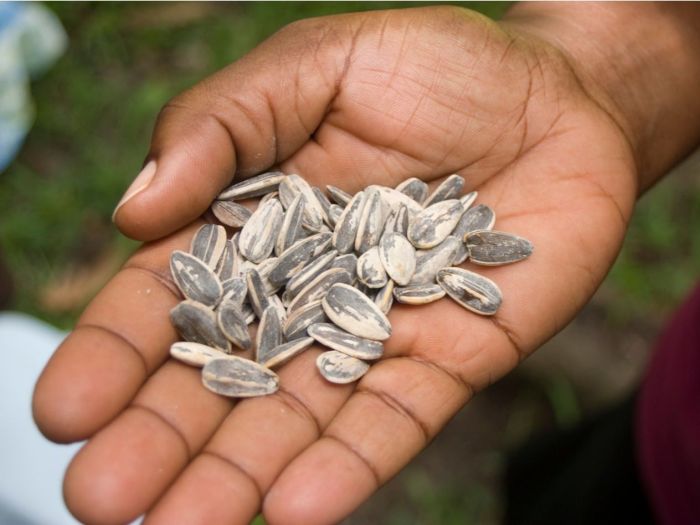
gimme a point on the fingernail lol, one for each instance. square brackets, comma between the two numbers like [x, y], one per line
[140, 183]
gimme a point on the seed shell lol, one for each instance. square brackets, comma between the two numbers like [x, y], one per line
[398, 257]
[235, 290]
[253, 187]
[194, 354]
[423, 294]
[471, 290]
[450, 188]
[385, 298]
[314, 216]
[259, 234]
[232, 323]
[354, 312]
[299, 320]
[414, 188]
[334, 213]
[340, 197]
[371, 222]
[195, 279]
[197, 324]
[340, 368]
[429, 262]
[333, 337]
[256, 292]
[294, 258]
[468, 199]
[318, 287]
[231, 213]
[269, 333]
[285, 352]
[224, 268]
[430, 227]
[345, 230]
[393, 200]
[370, 269]
[309, 273]
[479, 217]
[347, 262]
[208, 244]
[492, 248]
[238, 377]
[291, 225]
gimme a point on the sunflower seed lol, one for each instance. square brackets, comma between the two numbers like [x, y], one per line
[385, 298]
[318, 287]
[370, 269]
[414, 188]
[393, 200]
[224, 268]
[346, 227]
[468, 199]
[294, 258]
[253, 187]
[423, 294]
[371, 222]
[197, 324]
[248, 313]
[237, 377]
[208, 244]
[334, 213]
[347, 262]
[340, 368]
[231, 213]
[492, 248]
[194, 354]
[340, 197]
[333, 337]
[285, 352]
[398, 257]
[299, 320]
[470, 290]
[401, 221]
[268, 196]
[195, 279]
[235, 290]
[429, 262]
[430, 227]
[232, 323]
[353, 311]
[276, 303]
[309, 272]
[287, 192]
[291, 225]
[269, 333]
[450, 188]
[322, 200]
[256, 292]
[264, 269]
[479, 217]
[238, 259]
[258, 236]
[313, 217]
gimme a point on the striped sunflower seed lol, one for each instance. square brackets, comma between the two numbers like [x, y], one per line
[314, 215]
[309, 272]
[347, 262]
[195, 279]
[208, 244]
[276, 303]
[492, 248]
[393, 200]
[237, 377]
[346, 227]
[385, 298]
[371, 222]
[269, 196]
[450, 188]
[257, 294]
[423, 294]
[290, 230]
[333, 337]
[470, 290]
[269, 333]
[430, 227]
[231, 213]
[294, 258]
[235, 290]
[225, 266]
[398, 257]
[258, 236]
[468, 199]
[197, 324]
[429, 262]
[318, 287]
[340, 368]
[340, 197]
[253, 187]
[232, 323]
[479, 217]
[285, 352]
[299, 320]
[334, 213]
[354, 312]
[370, 269]
[414, 188]
[194, 354]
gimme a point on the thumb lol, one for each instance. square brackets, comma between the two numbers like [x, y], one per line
[242, 120]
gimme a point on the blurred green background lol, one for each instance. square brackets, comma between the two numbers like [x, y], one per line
[95, 110]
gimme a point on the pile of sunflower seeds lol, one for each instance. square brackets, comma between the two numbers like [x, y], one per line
[312, 268]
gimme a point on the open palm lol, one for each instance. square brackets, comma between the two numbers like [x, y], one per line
[348, 101]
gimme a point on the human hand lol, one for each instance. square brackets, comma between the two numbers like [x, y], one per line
[349, 101]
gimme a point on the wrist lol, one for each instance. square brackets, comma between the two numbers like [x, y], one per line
[639, 62]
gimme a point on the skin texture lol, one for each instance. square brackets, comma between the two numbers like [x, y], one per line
[349, 101]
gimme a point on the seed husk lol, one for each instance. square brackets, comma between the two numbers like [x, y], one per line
[340, 197]
[423, 294]
[294, 258]
[354, 312]
[333, 337]
[393, 200]
[414, 188]
[345, 230]
[430, 227]
[491, 248]
[385, 298]
[468, 199]
[429, 262]
[257, 294]
[253, 187]
[470, 290]
[197, 324]
[322, 200]
[195, 279]
[299, 320]
[224, 268]
[287, 192]
[285, 352]
[479, 217]
[276, 303]
[237, 377]
[370, 269]
[268, 196]
[318, 287]
[334, 213]
[340, 368]
[347, 262]
[194, 354]
[291, 225]
[235, 290]
[264, 269]
[398, 257]
[231, 213]
[232, 323]
[269, 333]
[208, 244]
[450, 188]
[259, 234]
[309, 273]
[371, 224]
[314, 215]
